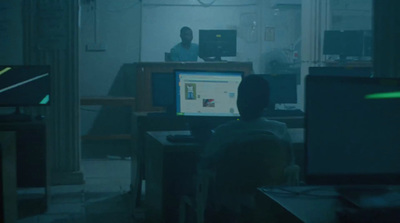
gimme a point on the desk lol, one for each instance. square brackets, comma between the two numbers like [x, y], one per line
[309, 204]
[144, 122]
[8, 183]
[32, 162]
[315, 204]
[170, 166]
[109, 101]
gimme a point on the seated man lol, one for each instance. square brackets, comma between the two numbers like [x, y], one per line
[185, 50]
[253, 97]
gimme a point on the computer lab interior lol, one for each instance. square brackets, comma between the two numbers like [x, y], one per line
[90, 99]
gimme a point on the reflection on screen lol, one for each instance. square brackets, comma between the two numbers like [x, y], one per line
[200, 93]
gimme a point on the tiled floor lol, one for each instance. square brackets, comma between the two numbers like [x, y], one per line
[104, 197]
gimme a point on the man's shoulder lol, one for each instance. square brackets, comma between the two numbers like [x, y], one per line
[272, 122]
[228, 125]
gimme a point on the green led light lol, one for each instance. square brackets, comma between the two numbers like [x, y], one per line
[45, 100]
[383, 95]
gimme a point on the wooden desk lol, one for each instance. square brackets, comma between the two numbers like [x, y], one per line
[32, 162]
[169, 170]
[8, 184]
[109, 101]
[302, 204]
[142, 123]
[315, 204]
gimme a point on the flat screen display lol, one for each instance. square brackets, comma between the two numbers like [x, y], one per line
[24, 85]
[282, 87]
[163, 93]
[217, 43]
[344, 43]
[206, 93]
[352, 130]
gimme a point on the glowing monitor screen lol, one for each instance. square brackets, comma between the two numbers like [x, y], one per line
[206, 93]
[24, 85]
[352, 130]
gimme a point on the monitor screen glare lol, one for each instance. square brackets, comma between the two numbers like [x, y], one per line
[200, 93]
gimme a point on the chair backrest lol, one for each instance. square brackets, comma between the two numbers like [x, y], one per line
[167, 57]
[245, 165]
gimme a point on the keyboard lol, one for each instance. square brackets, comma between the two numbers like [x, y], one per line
[181, 138]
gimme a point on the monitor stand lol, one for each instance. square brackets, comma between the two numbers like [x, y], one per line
[370, 196]
[17, 116]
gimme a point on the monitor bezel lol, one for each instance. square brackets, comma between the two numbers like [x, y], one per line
[17, 105]
[242, 74]
[344, 179]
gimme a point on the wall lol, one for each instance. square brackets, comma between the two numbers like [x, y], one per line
[162, 21]
[351, 14]
[111, 30]
[285, 23]
[11, 35]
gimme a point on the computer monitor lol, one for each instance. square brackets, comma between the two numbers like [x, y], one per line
[342, 71]
[206, 93]
[352, 130]
[24, 85]
[217, 43]
[163, 91]
[344, 43]
[283, 88]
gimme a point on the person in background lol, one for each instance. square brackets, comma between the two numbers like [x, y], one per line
[185, 50]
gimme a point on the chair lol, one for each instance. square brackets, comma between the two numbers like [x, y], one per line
[167, 57]
[242, 166]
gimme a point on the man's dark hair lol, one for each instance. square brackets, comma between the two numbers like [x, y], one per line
[253, 97]
[184, 29]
